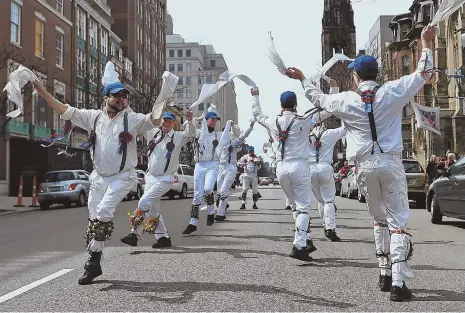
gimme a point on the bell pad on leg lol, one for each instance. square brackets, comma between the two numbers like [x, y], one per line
[100, 231]
[255, 197]
[136, 218]
[151, 225]
[209, 199]
[195, 211]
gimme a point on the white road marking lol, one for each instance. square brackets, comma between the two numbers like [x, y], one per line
[32, 285]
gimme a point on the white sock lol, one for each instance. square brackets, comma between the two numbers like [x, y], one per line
[385, 272]
[397, 283]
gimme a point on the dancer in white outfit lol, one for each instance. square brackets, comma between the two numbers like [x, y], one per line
[227, 172]
[372, 117]
[251, 164]
[163, 151]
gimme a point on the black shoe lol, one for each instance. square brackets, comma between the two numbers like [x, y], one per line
[220, 218]
[227, 206]
[162, 242]
[399, 294]
[288, 208]
[385, 282]
[92, 269]
[210, 219]
[259, 195]
[243, 206]
[189, 229]
[130, 240]
[300, 254]
[310, 247]
[255, 207]
[331, 235]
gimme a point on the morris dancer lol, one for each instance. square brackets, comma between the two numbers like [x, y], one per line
[228, 165]
[163, 152]
[322, 143]
[292, 168]
[376, 150]
[251, 164]
[114, 156]
[206, 170]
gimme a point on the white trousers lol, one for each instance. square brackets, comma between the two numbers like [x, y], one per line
[294, 178]
[249, 179]
[226, 175]
[382, 179]
[288, 203]
[205, 174]
[324, 189]
[105, 195]
[155, 188]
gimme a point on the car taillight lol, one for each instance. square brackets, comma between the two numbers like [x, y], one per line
[41, 189]
[72, 187]
[176, 180]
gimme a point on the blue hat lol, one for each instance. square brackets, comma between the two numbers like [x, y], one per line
[288, 96]
[169, 115]
[211, 115]
[113, 88]
[364, 63]
[251, 148]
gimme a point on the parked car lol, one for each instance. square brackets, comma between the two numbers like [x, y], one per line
[446, 195]
[138, 189]
[183, 182]
[64, 187]
[416, 182]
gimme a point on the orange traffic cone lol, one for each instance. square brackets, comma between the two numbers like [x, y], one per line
[34, 193]
[20, 194]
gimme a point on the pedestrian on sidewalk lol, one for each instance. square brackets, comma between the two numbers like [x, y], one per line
[372, 116]
[227, 171]
[163, 151]
[206, 156]
[114, 156]
[291, 130]
[251, 164]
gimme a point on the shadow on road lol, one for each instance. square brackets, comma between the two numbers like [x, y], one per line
[437, 295]
[458, 224]
[185, 291]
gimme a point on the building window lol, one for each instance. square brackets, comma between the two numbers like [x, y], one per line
[405, 65]
[201, 107]
[171, 68]
[189, 93]
[209, 80]
[181, 80]
[81, 23]
[171, 53]
[80, 63]
[39, 40]
[181, 93]
[188, 80]
[212, 63]
[180, 67]
[93, 33]
[188, 53]
[404, 31]
[338, 18]
[426, 13]
[15, 19]
[59, 6]
[104, 41]
[59, 47]
[428, 91]
[188, 67]
[180, 53]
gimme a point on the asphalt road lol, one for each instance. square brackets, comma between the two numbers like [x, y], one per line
[241, 264]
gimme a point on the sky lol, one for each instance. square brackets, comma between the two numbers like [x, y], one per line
[238, 29]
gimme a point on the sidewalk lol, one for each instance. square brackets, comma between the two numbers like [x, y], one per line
[7, 205]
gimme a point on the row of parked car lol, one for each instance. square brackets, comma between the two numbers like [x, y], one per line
[444, 197]
[72, 187]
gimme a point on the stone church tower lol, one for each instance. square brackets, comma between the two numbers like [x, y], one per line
[338, 36]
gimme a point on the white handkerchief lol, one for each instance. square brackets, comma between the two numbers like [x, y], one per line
[170, 81]
[275, 58]
[446, 9]
[336, 58]
[427, 117]
[229, 76]
[17, 80]
[208, 90]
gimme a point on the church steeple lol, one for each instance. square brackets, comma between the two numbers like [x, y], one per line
[338, 29]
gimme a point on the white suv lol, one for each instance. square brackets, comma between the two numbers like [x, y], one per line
[183, 182]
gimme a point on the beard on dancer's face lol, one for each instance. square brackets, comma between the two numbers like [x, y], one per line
[211, 123]
[116, 104]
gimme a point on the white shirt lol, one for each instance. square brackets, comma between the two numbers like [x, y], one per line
[204, 150]
[250, 167]
[237, 145]
[106, 159]
[158, 157]
[328, 139]
[296, 146]
[387, 110]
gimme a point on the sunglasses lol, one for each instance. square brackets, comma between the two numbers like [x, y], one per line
[122, 95]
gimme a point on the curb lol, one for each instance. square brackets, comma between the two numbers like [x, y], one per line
[18, 212]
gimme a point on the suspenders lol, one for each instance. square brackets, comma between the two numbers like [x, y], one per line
[170, 147]
[125, 146]
[317, 145]
[284, 135]
[368, 97]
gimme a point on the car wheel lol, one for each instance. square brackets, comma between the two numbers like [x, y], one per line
[139, 192]
[436, 216]
[171, 194]
[44, 206]
[82, 199]
[183, 193]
